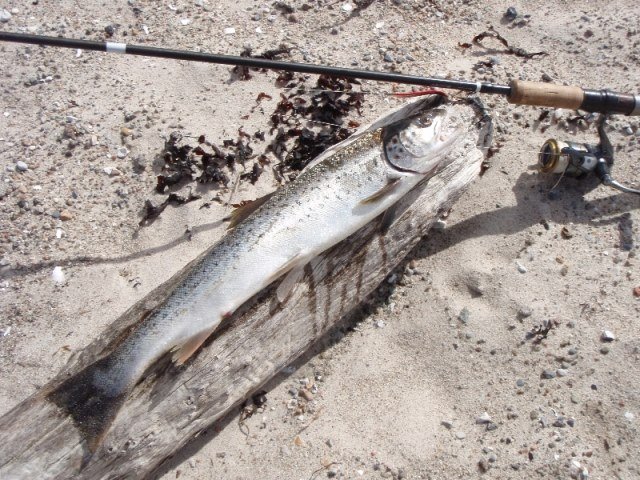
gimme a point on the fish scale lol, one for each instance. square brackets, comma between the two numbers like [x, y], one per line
[341, 191]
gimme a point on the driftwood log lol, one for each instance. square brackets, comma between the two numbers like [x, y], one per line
[173, 405]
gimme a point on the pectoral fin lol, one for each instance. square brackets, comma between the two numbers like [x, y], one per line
[288, 284]
[188, 348]
[388, 189]
[243, 211]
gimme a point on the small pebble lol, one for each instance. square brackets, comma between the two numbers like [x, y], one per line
[139, 164]
[511, 13]
[521, 268]
[21, 166]
[65, 215]
[475, 286]
[58, 275]
[5, 16]
[229, 31]
[560, 422]
[461, 435]
[388, 57]
[548, 374]
[347, 7]
[439, 225]
[306, 394]
[448, 424]
[604, 350]
[185, 21]
[463, 316]
[520, 382]
[562, 372]
[111, 171]
[483, 419]
[607, 336]
[524, 312]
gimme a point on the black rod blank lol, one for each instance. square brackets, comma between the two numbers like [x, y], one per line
[251, 62]
[518, 92]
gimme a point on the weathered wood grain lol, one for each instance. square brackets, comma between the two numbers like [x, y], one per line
[173, 405]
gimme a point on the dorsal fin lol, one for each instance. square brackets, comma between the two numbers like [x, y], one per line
[243, 211]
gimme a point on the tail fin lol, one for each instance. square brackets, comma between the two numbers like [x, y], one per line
[91, 407]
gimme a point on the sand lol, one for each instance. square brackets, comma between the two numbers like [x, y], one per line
[437, 377]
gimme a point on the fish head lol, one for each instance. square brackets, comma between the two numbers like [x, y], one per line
[419, 143]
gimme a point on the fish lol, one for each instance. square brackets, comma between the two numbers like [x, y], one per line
[345, 188]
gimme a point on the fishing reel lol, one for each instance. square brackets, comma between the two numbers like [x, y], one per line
[581, 159]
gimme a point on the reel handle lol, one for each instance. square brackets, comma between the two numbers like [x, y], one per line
[571, 97]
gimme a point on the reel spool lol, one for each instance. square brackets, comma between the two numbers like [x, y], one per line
[578, 160]
[568, 158]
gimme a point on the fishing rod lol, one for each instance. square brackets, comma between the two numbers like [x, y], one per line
[576, 160]
[517, 92]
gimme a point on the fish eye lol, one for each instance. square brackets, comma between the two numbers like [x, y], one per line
[426, 120]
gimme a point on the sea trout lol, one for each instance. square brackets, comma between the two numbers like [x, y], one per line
[345, 188]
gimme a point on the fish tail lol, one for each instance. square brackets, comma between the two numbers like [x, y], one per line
[92, 405]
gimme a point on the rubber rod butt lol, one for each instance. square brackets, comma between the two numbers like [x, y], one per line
[610, 102]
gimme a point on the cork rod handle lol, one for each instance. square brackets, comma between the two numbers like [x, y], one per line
[545, 94]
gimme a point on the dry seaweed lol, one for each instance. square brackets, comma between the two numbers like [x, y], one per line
[253, 175]
[152, 212]
[178, 163]
[244, 73]
[492, 33]
[540, 332]
[302, 127]
[330, 106]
